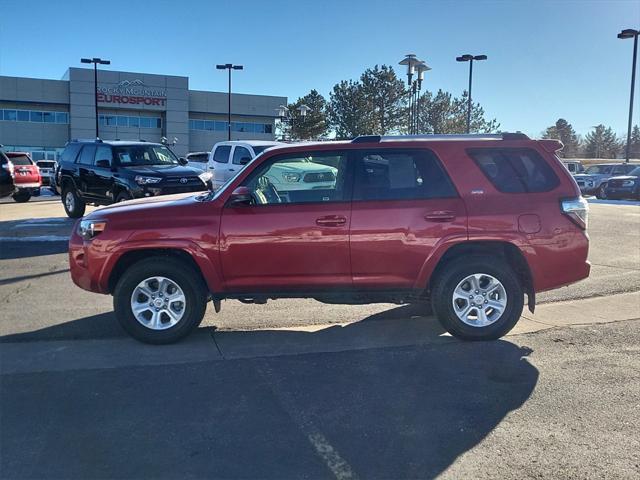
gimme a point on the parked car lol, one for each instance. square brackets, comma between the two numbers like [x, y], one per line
[226, 159]
[26, 176]
[574, 166]
[593, 180]
[7, 186]
[47, 171]
[624, 186]
[469, 223]
[102, 173]
[198, 160]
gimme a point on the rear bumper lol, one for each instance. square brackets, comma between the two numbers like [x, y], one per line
[29, 185]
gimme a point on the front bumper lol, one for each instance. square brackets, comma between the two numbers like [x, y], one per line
[621, 192]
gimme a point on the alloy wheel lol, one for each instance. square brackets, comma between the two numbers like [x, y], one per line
[158, 303]
[479, 300]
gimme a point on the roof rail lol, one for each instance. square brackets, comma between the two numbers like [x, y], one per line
[468, 136]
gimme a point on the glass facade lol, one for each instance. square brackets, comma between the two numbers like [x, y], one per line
[37, 153]
[34, 116]
[129, 121]
[218, 126]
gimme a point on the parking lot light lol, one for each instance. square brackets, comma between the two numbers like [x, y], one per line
[625, 34]
[229, 66]
[95, 62]
[470, 59]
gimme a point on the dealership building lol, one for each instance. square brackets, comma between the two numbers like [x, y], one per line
[40, 116]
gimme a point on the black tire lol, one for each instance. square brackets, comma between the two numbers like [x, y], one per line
[123, 197]
[74, 206]
[455, 272]
[21, 197]
[601, 193]
[178, 272]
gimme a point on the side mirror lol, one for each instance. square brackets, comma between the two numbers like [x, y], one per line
[183, 161]
[103, 163]
[245, 160]
[240, 196]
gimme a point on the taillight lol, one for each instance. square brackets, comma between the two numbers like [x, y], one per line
[577, 209]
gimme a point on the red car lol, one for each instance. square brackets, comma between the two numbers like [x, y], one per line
[471, 223]
[26, 176]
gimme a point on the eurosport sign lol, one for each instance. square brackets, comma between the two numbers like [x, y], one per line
[132, 92]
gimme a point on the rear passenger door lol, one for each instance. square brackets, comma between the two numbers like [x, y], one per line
[404, 205]
[86, 173]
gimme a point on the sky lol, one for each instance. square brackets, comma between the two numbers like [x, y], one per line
[546, 59]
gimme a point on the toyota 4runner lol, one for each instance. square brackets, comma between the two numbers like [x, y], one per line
[471, 223]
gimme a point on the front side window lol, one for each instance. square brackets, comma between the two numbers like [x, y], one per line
[135, 155]
[400, 175]
[103, 153]
[599, 170]
[312, 177]
[221, 155]
[515, 170]
[240, 153]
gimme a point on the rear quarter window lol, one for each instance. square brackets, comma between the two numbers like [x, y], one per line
[70, 153]
[515, 170]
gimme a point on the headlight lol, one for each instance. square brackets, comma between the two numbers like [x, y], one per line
[628, 183]
[142, 180]
[90, 228]
[205, 176]
[291, 177]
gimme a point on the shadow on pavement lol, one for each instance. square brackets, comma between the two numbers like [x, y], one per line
[404, 412]
[8, 281]
[24, 249]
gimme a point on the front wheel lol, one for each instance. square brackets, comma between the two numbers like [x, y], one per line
[602, 192]
[159, 300]
[477, 298]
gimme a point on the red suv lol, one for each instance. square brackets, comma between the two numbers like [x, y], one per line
[26, 176]
[471, 223]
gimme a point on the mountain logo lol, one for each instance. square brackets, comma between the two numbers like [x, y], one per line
[130, 83]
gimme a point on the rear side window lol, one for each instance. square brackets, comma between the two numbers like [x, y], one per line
[86, 157]
[70, 153]
[221, 155]
[515, 170]
[400, 175]
[239, 153]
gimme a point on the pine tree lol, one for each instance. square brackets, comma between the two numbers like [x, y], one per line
[634, 144]
[386, 97]
[314, 125]
[602, 142]
[563, 131]
[348, 111]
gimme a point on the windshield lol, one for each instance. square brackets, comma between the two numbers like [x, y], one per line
[260, 149]
[134, 155]
[635, 172]
[21, 160]
[599, 169]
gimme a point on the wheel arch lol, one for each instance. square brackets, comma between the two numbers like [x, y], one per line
[505, 250]
[131, 257]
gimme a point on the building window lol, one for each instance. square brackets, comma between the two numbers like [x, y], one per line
[131, 122]
[219, 126]
[37, 116]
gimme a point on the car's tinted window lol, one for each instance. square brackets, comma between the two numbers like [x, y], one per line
[311, 177]
[103, 153]
[239, 153]
[87, 154]
[198, 157]
[400, 175]
[599, 169]
[21, 160]
[221, 155]
[515, 170]
[70, 153]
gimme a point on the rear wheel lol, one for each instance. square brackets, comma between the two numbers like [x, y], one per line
[159, 300]
[478, 298]
[73, 204]
[21, 196]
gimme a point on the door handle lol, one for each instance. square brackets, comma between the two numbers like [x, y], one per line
[331, 221]
[440, 216]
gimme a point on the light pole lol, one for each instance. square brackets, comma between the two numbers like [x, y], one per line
[229, 66]
[631, 33]
[414, 66]
[95, 62]
[470, 59]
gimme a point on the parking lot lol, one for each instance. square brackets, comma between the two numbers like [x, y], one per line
[300, 389]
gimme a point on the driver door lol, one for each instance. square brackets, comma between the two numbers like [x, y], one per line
[283, 242]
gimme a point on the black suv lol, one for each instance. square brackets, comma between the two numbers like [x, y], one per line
[104, 172]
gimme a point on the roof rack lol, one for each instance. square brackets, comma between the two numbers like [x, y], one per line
[471, 136]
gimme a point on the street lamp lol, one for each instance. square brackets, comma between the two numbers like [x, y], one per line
[470, 59]
[229, 66]
[414, 66]
[624, 34]
[95, 62]
[284, 114]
